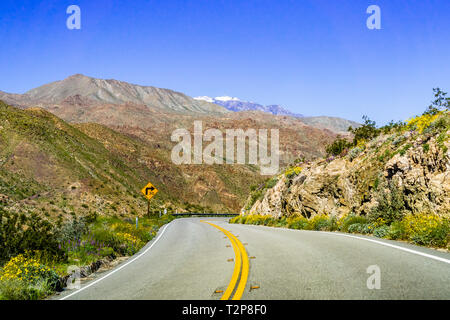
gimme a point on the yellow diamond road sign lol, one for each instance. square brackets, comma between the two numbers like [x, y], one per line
[149, 191]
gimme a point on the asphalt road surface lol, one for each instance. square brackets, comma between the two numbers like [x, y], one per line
[208, 258]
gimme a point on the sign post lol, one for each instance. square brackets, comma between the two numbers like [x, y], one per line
[149, 191]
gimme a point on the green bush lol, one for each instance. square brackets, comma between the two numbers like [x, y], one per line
[320, 222]
[355, 228]
[282, 222]
[396, 231]
[366, 132]
[351, 219]
[381, 232]
[337, 146]
[20, 233]
[268, 220]
[427, 229]
[391, 204]
[26, 278]
[239, 219]
[298, 223]
[21, 290]
[71, 230]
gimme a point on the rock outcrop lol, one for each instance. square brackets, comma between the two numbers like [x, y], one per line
[411, 164]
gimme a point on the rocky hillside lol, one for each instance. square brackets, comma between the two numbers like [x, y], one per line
[404, 169]
[335, 124]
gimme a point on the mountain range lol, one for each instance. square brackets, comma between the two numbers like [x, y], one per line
[80, 89]
[235, 104]
[80, 98]
[335, 124]
[129, 129]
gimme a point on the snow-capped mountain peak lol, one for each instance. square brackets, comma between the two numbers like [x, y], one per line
[227, 98]
[236, 104]
[205, 98]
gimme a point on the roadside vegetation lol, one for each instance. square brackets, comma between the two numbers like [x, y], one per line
[35, 254]
[422, 229]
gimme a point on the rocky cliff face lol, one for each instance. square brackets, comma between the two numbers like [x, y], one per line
[405, 171]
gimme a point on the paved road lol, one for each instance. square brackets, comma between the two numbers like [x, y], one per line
[190, 259]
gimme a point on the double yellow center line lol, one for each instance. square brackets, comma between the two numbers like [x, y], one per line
[241, 266]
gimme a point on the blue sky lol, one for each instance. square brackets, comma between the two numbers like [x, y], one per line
[313, 57]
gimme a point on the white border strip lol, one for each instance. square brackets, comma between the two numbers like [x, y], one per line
[122, 266]
[393, 246]
[362, 238]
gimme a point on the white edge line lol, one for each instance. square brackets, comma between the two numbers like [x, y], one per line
[122, 266]
[372, 240]
[393, 246]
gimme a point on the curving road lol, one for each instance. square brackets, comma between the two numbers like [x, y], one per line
[193, 259]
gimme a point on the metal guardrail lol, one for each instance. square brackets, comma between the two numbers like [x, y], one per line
[186, 214]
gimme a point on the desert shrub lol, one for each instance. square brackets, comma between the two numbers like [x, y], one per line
[366, 132]
[72, 230]
[420, 123]
[91, 217]
[292, 172]
[355, 228]
[440, 103]
[337, 146]
[332, 223]
[141, 232]
[250, 219]
[320, 222]
[259, 220]
[107, 238]
[393, 127]
[381, 232]
[21, 290]
[23, 278]
[268, 220]
[235, 219]
[242, 219]
[396, 231]
[106, 252]
[390, 205]
[364, 228]
[20, 233]
[441, 124]
[299, 223]
[350, 219]
[433, 112]
[282, 222]
[427, 229]
[354, 152]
